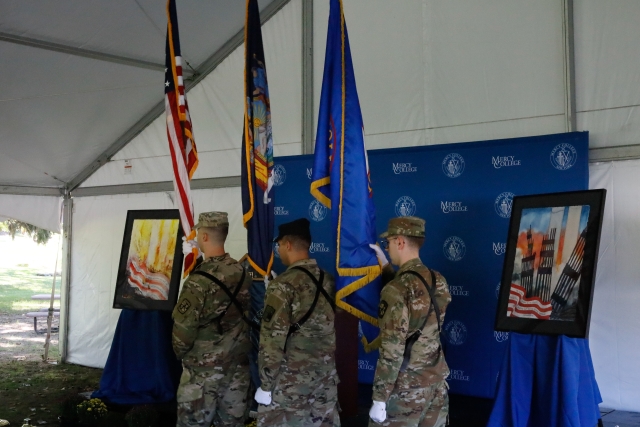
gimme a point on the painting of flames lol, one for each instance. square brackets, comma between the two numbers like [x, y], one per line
[150, 257]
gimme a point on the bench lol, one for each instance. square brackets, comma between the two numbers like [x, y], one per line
[45, 296]
[43, 312]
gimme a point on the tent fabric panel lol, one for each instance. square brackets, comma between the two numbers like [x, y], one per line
[217, 111]
[41, 211]
[61, 121]
[98, 228]
[466, 69]
[133, 29]
[607, 78]
[615, 319]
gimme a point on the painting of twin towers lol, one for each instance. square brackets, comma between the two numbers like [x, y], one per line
[548, 263]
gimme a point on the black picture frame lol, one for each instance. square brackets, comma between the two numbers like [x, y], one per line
[546, 288]
[145, 284]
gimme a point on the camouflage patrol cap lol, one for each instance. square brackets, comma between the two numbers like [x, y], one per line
[405, 226]
[212, 219]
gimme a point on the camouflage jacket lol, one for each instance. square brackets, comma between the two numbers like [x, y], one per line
[196, 338]
[404, 303]
[287, 300]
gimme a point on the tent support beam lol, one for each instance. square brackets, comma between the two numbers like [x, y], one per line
[609, 154]
[307, 77]
[569, 66]
[67, 219]
[156, 187]
[85, 53]
[201, 72]
[31, 191]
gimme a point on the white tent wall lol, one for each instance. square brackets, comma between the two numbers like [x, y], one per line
[615, 318]
[432, 72]
[41, 211]
[98, 228]
[217, 111]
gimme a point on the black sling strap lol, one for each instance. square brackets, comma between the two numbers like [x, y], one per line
[433, 305]
[232, 297]
[319, 289]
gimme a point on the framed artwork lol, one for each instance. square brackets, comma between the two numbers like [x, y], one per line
[550, 263]
[150, 261]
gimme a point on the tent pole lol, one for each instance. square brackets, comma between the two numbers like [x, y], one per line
[569, 66]
[307, 77]
[67, 220]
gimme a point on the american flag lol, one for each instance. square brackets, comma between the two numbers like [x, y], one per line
[528, 307]
[182, 146]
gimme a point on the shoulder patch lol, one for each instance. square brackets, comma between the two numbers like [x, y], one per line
[184, 306]
[269, 311]
[382, 309]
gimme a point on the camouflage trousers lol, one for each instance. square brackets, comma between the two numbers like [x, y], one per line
[215, 395]
[420, 407]
[302, 401]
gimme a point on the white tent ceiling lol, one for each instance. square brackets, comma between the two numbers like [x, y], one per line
[79, 74]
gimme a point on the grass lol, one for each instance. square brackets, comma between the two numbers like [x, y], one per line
[35, 390]
[18, 284]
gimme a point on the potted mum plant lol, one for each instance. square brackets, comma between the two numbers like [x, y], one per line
[91, 411]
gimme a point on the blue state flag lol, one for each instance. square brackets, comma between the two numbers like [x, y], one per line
[257, 149]
[341, 180]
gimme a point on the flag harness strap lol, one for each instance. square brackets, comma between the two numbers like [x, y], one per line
[232, 297]
[433, 305]
[319, 289]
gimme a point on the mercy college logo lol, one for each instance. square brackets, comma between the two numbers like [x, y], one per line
[317, 211]
[276, 250]
[279, 175]
[563, 156]
[501, 336]
[452, 207]
[503, 204]
[458, 291]
[318, 247]
[399, 168]
[504, 161]
[364, 364]
[405, 206]
[456, 332]
[454, 248]
[499, 248]
[453, 165]
[458, 375]
[280, 210]
[309, 172]
[498, 291]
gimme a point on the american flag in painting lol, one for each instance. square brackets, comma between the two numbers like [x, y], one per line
[182, 146]
[151, 285]
[528, 307]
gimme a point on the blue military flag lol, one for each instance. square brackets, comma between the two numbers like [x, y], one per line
[341, 179]
[257, 149]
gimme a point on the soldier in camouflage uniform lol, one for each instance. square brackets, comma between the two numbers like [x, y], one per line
[298, 366]
[209, 333]
[410, 389]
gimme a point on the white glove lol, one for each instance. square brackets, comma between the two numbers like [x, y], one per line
[188, 246]
[263, 397]
[382, 258]
[266, 279]
[378, 411]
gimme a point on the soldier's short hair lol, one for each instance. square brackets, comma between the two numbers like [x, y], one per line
[414, 242]
[217, 234]
[298, 243]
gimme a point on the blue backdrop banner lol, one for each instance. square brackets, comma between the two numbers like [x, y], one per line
[464, 192]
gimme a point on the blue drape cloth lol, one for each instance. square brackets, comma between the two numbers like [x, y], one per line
[141, 367]
[546, 381]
